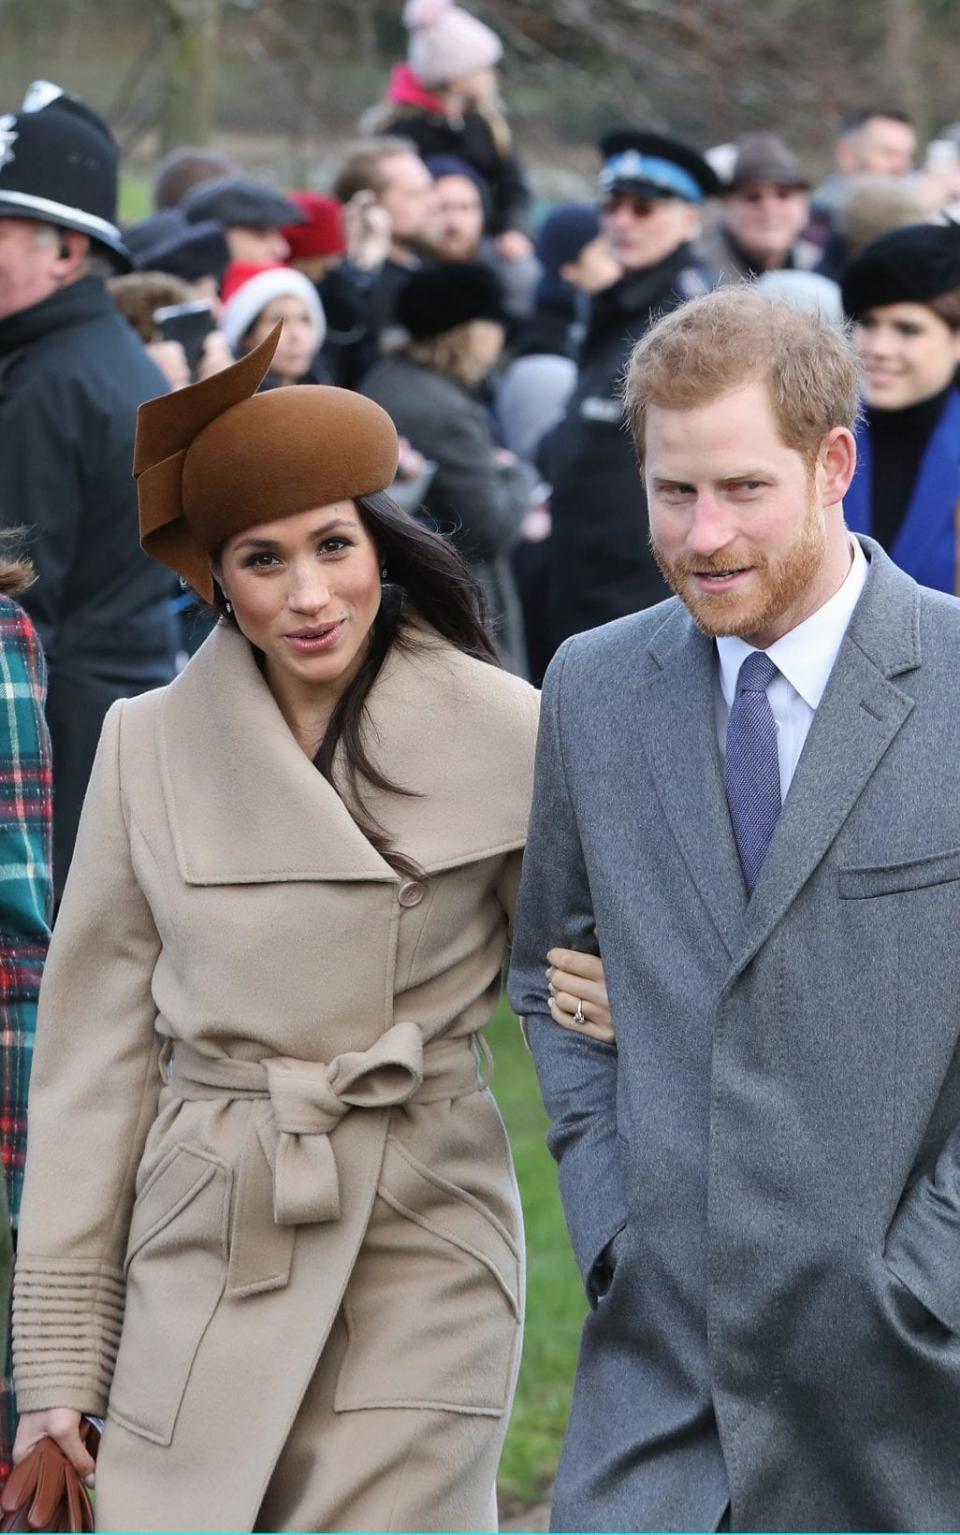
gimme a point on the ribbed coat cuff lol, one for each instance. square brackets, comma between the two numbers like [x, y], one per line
[67, 1315]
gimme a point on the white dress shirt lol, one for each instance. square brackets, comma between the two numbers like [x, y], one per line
[804, 660]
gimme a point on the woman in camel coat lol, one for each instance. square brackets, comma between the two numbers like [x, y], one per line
[270, 1224]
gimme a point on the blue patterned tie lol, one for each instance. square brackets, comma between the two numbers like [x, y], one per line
[751, 770]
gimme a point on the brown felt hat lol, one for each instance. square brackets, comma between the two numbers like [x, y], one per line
[216, 458]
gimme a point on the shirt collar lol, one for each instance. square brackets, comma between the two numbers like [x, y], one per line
[805, 655]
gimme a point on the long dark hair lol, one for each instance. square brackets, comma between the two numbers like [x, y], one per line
[426, 578]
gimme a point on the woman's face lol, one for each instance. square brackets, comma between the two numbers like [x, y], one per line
[305, 590]
[909, 354]
[478, 89]
[486, 344]
[298, 339]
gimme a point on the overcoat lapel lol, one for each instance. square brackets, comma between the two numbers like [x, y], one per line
[926, 542]
[677, 718]
[244, 801]
[247, 805]
[859, 716]
[930, 513]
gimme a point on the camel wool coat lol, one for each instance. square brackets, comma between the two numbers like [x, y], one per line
[250, 1028]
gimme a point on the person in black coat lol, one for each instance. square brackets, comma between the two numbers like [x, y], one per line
[72, 373]
[600, 565]
[445, 98]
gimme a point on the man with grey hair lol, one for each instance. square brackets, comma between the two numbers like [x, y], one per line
[72, 374]
[747, 793]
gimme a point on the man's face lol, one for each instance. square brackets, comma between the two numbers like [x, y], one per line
[881, 147]
[259, 247]
[644, 230]
[738, 523]
[765, 219]
[408, 197]
[457, 223]
[28, 264]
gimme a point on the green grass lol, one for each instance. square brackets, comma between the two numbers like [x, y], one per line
[135, 200]
[555, 1300]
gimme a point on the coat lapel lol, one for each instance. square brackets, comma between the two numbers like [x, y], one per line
[678, 725]
[859, 716]
[926, 536]
[246, 805]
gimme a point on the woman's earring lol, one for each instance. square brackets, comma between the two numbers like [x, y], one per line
[384, 575]
[228, 605]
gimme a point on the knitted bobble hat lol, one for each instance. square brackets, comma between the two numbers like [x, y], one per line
[447, 43]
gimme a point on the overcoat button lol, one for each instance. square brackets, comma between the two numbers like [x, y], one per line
[411, 893]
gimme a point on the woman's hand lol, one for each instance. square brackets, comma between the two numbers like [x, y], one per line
[578, 980]
[514, 245]
[171, 359]
[61, 1424]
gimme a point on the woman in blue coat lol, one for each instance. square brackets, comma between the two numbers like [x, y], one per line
[903, 291]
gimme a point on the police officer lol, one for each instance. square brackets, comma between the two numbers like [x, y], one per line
[72, 373]
[652, 189]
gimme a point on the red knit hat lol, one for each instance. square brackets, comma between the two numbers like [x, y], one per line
[322, 234]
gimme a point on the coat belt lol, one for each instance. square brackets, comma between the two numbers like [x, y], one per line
[308, 1099]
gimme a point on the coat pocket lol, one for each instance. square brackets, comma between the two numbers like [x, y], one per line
[176, 1272]
[899, 878]
[434, 1305]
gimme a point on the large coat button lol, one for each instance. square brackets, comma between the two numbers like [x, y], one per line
[411, 893]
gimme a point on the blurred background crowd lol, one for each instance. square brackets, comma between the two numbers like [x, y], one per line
[480, 273]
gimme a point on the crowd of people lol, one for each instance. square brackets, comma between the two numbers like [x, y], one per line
[455, 363]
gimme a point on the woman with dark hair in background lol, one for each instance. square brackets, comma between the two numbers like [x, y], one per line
[271, 1226]
[26, 895]
[903, 291]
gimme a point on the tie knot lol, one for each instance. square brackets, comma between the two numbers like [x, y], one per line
[756, 673]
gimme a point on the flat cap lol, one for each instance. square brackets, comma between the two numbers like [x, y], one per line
[764, 157]
[905, 266]
[169, 242]
[233, 200]
[654, 166]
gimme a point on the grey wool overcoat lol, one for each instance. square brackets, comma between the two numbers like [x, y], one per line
[774, 1146]
[258, 1094]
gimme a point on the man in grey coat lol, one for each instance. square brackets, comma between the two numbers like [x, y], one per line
[749, 793]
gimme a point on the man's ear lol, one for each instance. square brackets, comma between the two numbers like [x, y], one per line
[72, 251]
[836, 464]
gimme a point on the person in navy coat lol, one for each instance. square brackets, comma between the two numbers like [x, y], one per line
[903, 291]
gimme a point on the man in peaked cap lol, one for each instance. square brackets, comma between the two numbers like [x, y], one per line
[72, 374]
[252, 216]
[652, 191]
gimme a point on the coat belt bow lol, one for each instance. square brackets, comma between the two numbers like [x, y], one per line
[291, 1177]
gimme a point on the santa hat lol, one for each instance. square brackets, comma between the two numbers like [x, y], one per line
[248, 288]
[447, 43]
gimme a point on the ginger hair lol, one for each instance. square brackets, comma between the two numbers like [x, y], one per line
[728, 338]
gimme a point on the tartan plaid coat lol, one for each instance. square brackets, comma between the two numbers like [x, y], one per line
[25, 902]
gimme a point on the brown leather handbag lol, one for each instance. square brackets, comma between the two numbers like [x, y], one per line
[44, 1492]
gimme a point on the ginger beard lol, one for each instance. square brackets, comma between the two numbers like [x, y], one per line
[775, 585]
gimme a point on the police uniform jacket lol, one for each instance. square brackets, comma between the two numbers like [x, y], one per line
[72, 374]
